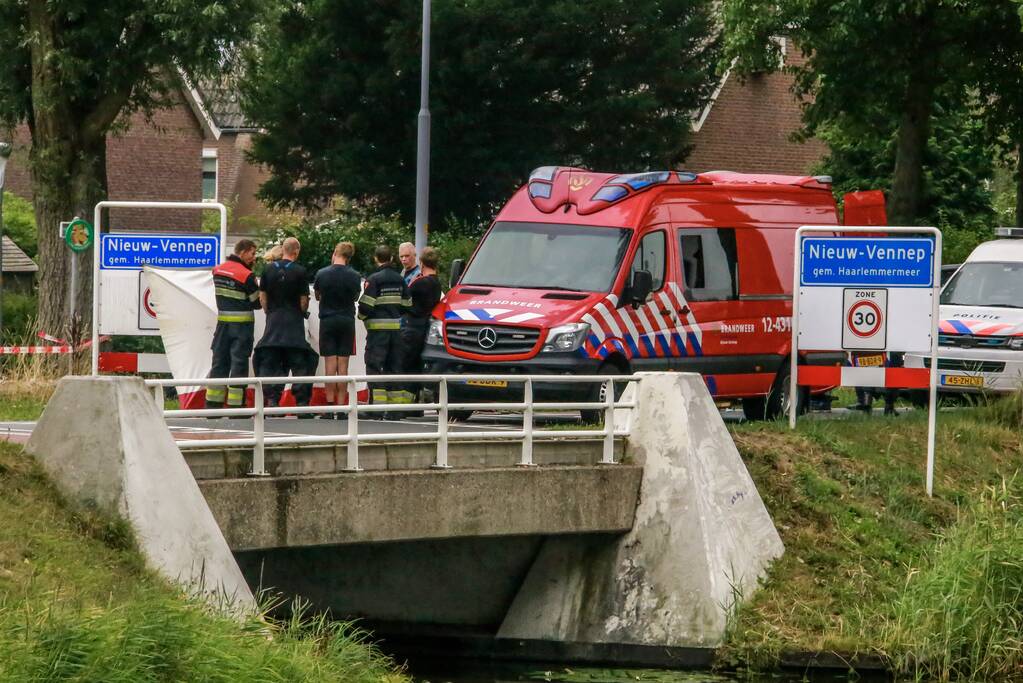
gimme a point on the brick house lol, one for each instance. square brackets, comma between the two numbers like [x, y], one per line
[192, 150]
[195, 149]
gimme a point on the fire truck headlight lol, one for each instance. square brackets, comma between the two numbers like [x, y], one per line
[435, 335]
[1016, 344]
[566, 337]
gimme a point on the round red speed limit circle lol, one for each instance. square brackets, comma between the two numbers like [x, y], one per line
[864, 319]
[147, 304]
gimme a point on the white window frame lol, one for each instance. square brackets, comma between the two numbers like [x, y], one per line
[208, 153]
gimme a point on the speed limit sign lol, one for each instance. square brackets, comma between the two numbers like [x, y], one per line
[865, 319]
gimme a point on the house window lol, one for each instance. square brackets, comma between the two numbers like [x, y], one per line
[209, 175]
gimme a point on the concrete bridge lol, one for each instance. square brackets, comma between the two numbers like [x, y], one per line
[645, 551]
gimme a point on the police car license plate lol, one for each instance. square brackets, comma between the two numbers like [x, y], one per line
[961, 381]
[870, 361]
[496, 383]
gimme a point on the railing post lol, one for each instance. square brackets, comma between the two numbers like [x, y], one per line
[353, 427]
[258, 454]
[159, 396]
[609, 423]
[442, 425]
[527, 425]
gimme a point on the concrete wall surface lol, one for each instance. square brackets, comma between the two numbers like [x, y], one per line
[702, 537]
[105, 445]
[386, 506]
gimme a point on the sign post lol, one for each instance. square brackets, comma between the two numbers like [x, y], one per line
[78, 234]
[120, 258]
[856, 290]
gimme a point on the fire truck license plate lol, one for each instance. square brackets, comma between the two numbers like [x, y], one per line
[961, 381]
[870, 361]
[497, 383]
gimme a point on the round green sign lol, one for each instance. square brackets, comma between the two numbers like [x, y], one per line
[79, 234]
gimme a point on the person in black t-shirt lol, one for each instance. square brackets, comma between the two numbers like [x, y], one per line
[337, 287]
[425, 292]
[283, 350]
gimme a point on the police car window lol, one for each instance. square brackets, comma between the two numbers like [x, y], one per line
[650, 257]
[709, 262]
[985, 284]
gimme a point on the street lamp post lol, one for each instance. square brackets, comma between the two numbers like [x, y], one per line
[5, 153]
[423, 142]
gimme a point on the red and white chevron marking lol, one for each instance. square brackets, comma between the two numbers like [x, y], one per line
[892, 378]
[609, 322]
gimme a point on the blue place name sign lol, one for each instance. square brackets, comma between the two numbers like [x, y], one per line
[867, 262]
[133, 251]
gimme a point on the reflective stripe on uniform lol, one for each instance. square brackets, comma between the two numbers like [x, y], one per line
[389, 300]
[230, 293]
[400, 396]
[368, 300]
[254, 296]
[380, 396]
[235, 316]
[406, 303]
[383, 324]
[235, 396]
[215, 394]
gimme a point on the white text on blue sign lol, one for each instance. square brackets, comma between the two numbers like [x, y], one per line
[132, 252]
[867, 262]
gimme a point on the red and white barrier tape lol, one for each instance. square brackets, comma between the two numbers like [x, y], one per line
[21, 350]
[902, 378]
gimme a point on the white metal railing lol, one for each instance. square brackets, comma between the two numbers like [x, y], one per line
[442, 435]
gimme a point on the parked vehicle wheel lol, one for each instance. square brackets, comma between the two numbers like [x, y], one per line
[600, 393]
[459, 415]
[776, 404]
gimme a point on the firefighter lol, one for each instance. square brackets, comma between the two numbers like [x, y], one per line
[381, 306]
[237, 297]
[425, 292]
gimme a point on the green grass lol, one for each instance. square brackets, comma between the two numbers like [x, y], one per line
[78, 604]
[861, 539]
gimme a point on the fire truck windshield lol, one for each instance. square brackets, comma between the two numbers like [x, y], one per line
[549, 256]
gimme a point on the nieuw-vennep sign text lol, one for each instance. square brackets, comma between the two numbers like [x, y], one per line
[132, 252]
[867, 262]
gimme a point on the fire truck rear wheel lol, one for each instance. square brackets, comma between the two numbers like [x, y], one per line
[776, 404]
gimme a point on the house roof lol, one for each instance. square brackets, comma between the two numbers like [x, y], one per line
[15, 260]
[223, 102]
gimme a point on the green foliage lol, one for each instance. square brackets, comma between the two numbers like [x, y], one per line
[516, 84]
[20, 223]
[365, 228]
[958, 165]
[19, 318]
[77, 604]
[961, 612]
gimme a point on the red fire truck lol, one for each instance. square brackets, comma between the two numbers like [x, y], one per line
[586, 272]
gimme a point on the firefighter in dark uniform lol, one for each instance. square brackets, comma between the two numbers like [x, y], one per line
[425, 292]
[284, 293]
[237, 298]
[381, 306]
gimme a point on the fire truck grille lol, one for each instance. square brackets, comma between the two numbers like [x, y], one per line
[491, 339]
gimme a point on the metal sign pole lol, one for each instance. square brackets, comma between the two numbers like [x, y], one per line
[932, 404]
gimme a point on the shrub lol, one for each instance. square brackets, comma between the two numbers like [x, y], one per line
[20, 223]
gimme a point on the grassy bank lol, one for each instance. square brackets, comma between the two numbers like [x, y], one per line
[872, 566]
[77, 604]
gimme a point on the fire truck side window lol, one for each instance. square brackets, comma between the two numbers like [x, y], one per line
[650, 257]
[709, 263]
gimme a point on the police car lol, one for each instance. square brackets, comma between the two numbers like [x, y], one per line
[980, 331]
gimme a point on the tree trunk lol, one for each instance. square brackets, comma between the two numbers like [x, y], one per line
[1019, 187]
[68, 178]
[904, 204]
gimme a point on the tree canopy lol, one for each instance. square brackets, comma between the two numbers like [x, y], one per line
[894, 60]
[71, 69]
[515, 84]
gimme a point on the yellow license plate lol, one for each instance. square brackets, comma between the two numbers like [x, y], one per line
[497, 383]
[870, 361]
[961, 381]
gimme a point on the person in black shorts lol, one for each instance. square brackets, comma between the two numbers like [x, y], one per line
[284, 295]
[337, 287]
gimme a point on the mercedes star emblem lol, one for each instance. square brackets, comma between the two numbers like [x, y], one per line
[486, 338]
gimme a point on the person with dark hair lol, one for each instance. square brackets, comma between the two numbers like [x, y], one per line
[337, 288]
[425, 293]
[381, 306]
[283, 350]
[237, 298]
